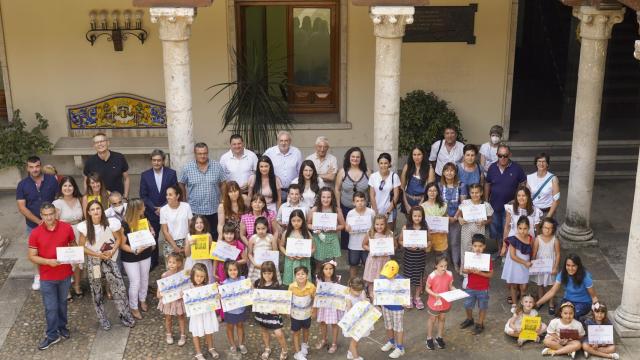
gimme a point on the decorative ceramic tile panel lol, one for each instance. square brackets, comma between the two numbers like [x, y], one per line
[118, 111]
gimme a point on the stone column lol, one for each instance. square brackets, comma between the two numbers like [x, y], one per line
[388, 27]
[175, 30]
[595, 31]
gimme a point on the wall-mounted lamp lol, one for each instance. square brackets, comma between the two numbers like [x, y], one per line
[100, 25]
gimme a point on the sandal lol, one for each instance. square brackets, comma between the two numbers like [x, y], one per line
[509, 300]
[136, 314]
[214, 353]
[143, 306]
[265, 355]
[284, 355]
[418, 303]
[78, 294]
[69, 298]
[321, 344]
[333, 348]
[200, 357]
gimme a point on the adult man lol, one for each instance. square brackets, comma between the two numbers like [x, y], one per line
[503, 178]
[326, 164]
[153, 191]
[200, 183]
[239, 163]
[286, 161]
[55, 278]
[112, 166]
[446, 150]
[31, 193]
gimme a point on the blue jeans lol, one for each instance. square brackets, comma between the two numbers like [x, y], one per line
[54, 296]
[496, 228]
[479, 296]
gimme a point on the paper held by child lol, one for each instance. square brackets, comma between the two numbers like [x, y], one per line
[600, 334]
[325, 221]
[477, 261]
[541, 266]
[530, 326]
[454, 295]
[331, 295]
[414, 238]
[359, 320]
[200, 300]
[270, 301]
[392, 292]
[298, 247]
[200, 249]
[225, 251]
[438, 224]
[474, 213]
[236, 294]
[171, 287]
[381, 246]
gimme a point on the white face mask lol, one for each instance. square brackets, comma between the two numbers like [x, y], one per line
[118, 208]
[495, 139]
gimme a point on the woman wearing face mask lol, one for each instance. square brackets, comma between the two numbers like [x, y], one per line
[489, 150]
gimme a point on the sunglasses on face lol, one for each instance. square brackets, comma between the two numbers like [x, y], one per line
[503, 156]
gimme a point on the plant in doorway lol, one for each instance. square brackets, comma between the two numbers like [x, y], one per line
[423, 118]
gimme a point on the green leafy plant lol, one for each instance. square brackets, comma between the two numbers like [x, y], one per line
[17, 143]
[423, 118]
[257, 108]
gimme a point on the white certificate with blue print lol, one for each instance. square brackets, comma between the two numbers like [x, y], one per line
[236, 294]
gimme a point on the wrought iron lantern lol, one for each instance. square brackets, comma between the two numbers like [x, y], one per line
[104, 25]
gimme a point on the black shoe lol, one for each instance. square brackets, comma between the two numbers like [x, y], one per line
[46, 343]
[552, 311]
[477, 329]
[440, 342]
[430, 345]
[64, 332]
[466, 323]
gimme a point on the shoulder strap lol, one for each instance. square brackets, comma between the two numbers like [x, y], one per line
[439, 147]
[542, 186]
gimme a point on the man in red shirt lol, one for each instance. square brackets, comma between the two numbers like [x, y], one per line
[55, 278]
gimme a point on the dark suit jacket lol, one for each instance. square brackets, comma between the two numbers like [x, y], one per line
[149, 191]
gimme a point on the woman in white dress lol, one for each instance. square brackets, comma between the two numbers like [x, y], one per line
[544, 186]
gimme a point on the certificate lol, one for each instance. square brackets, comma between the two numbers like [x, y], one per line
[392, 292]
[236, 294]
[298, 247]
[325, 221]
[143, 224]
[201, 299]
[438, 224]
[359, 320]
[200, 249]
[600, 334]
[477, 261]
[171, 287]
[269, 301]
[530, 326]
[359, 223]
[331, 295]
[70, 255]
[414, 238]
[381, 246]
[454, 295]
[287, 210]
[140, 239]
[541, 266]
[260, 256]
[224, 251]
[473, 213]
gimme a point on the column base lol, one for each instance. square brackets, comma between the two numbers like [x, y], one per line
[626, 324]
[573, 237]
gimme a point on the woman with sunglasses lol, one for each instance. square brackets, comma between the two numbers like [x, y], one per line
[384, 190]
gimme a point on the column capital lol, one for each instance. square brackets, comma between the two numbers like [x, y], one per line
[597, 24]
[390, 21]
[175, 23]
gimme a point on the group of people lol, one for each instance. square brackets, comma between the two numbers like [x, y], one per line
[259, 204]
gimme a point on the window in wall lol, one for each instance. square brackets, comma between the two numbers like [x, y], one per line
[296, 44]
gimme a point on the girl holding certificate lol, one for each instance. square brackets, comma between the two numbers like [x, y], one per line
[603, 350]
[547, 246]
[297, 228]
[374, 264]
[415, 259]
[248, 220]
[270, 322]
[516, 266]
[229, 237]
[205, 324]
[176, 307]
[198, 228]
[326, 242]
[328, 317]
[522, 205]
[453, 193]
[471, 227]
[435, 206]
[564, 333]
[261, 241]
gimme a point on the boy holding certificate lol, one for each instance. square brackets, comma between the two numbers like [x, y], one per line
[393, 315]
[477, 288]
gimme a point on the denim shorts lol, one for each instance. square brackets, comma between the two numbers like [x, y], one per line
[481, 296]
[357, 257]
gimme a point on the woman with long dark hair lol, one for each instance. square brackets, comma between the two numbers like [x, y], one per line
[231, 208]
[310, 183]
[353, 177]
[416, 173]
[266, 183]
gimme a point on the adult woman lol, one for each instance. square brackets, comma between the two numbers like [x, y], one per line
[416, 173]
[469, 171]
[489, 150]
[544, 186]
[578, 286]
[384, 189]
[354, 176]
[231, 207]
[309, 182]
[101, 238]
[258, 209]
[96, 190]
[521, 205]
[266, 183]
[327, 243]
[453, 192]
[69, 209]
[174, 222]
[136, 262]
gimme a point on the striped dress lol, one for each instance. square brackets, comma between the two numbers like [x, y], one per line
[413, 264]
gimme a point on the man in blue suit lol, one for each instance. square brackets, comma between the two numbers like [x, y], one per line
[153, 191]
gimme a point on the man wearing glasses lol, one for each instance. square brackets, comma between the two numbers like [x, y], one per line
[503, 178]
[112, 166]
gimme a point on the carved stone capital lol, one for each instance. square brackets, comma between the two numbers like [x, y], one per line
[175, 23]
[597, 24]
[390, 21]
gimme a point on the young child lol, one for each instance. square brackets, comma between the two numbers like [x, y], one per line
[435, 206]
[175, 308]
[328, 317]
[202, 324]
[229, 236]
[260, 241]
[470, 228]
[234, 318]
[525, 306]
[273, 321]
[357, 253]
[374, 264]
[547, 246]
[516, 266]
[439, 281]
[607, 351]
[326, 242]
[303, 292]
[393, 315]
[297, 228]
[293, 202]
[117, 208]
[453, 193]
[477, 287]
[415, 259]
[198, 226]
[356, 294]
[555, 344]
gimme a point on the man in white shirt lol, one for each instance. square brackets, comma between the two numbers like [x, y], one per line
[239, 163]
[446, 150]
[286, 161]
[326, 164]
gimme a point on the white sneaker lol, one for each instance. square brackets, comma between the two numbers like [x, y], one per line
[304, 349]
[299, 356]
[349, 355]
[396, 353]
[615, 356]
[388, 346]
[572, 354]
[36, 283]
[586, 354]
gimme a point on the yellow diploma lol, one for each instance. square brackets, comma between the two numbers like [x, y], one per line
[200, 249]
[142, 224]
[530, 324]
